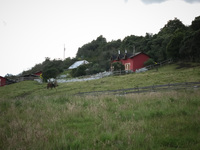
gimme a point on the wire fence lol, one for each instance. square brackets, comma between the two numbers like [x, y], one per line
[153, 88]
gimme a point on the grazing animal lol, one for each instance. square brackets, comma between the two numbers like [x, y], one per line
[52, 84]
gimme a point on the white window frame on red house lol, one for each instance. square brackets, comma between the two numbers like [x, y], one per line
[127, 66]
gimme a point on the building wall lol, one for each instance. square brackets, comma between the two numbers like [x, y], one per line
[38, 73]
[134, 63]
[138, 61]
[2, 81]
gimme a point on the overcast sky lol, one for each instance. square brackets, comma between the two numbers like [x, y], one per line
[31, 30]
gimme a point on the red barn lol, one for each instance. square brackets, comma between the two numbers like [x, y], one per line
[131, 61]
[2, 81]
[38, 73]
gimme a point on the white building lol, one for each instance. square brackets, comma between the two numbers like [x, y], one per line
[78, 63]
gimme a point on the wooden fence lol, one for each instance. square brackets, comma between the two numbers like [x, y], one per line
[123, 72]
[153, 88]
[169, 61]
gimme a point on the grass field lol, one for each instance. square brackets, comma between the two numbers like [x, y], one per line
[32, 117]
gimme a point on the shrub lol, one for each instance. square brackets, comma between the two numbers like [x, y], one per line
[118, 66]
[80, 71]
[50, 73]
[150, 61]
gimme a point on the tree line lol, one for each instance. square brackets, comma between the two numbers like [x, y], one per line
[175, 40]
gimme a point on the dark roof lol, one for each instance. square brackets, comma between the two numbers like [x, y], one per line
[133, 55]
[117, 57]
[125, 56]
[37, 72]
[30, 75]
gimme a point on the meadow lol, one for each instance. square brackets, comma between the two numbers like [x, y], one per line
[32, 117]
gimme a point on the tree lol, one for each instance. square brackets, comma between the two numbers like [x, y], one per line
[80, 71]
[172, 26]
[118, 66]
[174, 45]
[50, 73]
[150, 61]
[196, 23]
[190, 46]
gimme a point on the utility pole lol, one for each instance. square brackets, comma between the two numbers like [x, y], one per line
[64, 53]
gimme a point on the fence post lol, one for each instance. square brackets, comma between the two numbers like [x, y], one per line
[124, 92]
[138, 89]
[153, 88]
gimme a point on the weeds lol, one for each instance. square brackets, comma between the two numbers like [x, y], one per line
[50, 119]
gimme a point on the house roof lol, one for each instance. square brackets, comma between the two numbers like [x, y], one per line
[78, 63]
[29, 75]
[125, 56]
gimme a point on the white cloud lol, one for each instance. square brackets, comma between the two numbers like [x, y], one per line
[160, 1]
[192, 1]
[153, 1]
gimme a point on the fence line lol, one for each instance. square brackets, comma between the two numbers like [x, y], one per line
[169, 61]
[153, 88]
[123, 72]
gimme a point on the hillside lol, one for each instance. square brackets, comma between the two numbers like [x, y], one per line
[174, 40]
[175, 73]
[33, 117]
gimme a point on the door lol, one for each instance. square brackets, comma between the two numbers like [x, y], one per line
[127, 66]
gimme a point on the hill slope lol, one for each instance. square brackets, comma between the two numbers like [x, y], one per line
[33, 117]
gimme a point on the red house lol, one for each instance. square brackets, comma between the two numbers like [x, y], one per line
[2, 81]
[38, 73]
[131, 61]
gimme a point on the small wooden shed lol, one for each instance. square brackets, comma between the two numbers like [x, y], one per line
[38, 73]
[2, 81]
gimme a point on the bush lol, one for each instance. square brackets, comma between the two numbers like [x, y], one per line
[93, 69]
[150, 61]
[80, 71]
[118, 66]
[50, 73]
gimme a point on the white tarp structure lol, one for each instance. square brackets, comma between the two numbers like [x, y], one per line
[78, 63]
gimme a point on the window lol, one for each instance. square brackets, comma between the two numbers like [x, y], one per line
[127, 66]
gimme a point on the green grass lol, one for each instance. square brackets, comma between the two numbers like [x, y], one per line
[32, 117]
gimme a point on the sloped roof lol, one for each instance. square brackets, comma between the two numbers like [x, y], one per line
[117, 57]
[125, 56]
[78, 63]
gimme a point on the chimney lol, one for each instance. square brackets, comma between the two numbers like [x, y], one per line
[133, 50]
[119, 52]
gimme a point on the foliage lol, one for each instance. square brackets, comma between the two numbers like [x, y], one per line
[80, 71]
[118, 66]
[174, 46]
[150, 61]
[196, 23]
[48, 64]
[93, 69]
[190, 45]
[174, 40]
[50, 73]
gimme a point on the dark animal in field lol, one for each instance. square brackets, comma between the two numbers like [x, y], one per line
[52, 85]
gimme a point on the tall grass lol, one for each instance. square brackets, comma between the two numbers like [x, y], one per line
[32, 117]
[141, 121]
